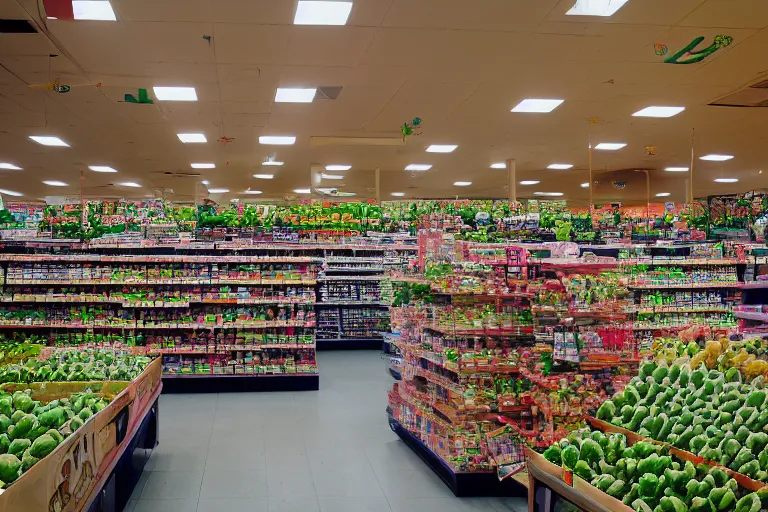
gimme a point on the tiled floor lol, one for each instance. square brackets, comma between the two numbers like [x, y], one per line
[311, 451]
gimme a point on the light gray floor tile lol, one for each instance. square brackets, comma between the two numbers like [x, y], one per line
[139, 488]
[351, 483]
[294, 504]
[412, 483]
[513, 504]
[234, 484]
[354, 505]
[441, 505]
[130, 506]
[166, 485]
[182, 505]
[177, 458]
[233, 505]
[290, 480]
[236, 458]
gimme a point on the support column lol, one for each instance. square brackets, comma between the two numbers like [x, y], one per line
[512, 181]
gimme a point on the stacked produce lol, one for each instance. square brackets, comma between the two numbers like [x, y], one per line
[76, 366]
[645, 477]
[710, 413]
[30, 430]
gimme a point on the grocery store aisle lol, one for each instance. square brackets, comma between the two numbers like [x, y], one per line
[329, 450]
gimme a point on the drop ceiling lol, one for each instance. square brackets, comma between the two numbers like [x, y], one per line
[459, 65]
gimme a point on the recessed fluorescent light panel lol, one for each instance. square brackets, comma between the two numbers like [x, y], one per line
[263, 176]
[100, 10]
[272, 162]
[9, 167]
[277, 141]
[441, 148]
[398, 194]
[610, 146]
[462, 183]
[54, 183]
[203, 166]
[218, 190]
[192, 138]
[559, 167]
[499, 165]
[252, 192]
[663, 194]
[101, 168]
[130, 184]
[658, 112]
[726, 180]
[596, 7]
[175, 93]
[301, 190]
[338, 167]
[49, 141]
[206, 182]
[332, 176]
[584, 185]
[717, 158]
[311, 12]
[548, 194]
[418, 167]
[676, 169]
[537, 106]
[530, 182]
[289, 95]
[10, 193]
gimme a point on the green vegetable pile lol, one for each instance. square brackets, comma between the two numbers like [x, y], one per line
[76, 366]
[30, 430]
[706, 412]
[645, 477]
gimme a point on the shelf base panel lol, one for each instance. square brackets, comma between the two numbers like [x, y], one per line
[463, 485]
[236, 383]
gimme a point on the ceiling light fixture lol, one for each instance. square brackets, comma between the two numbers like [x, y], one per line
[98, 10]
[290, 95]
[462, 183]
[9, 167]
[610, 146]
[252, 192]
[10, 193]
[206, 182]
[726, 180]
[338, 167]
[203, 166]
[398, 194]
[663, 194]
[559, 167]
[530, 182]
[101, 168]
[49, 141]
[676, 169]
[332, 176]
[302, 190]
[548, 194]
[658, 112]
[218, 190]
[263, 176]
[717, 158]
[175, 93]
[277, 140]
[312, 12]
[192, 138]
[418, 167]
[130, 184]
[584, 185]
[55, 183]
[272, 162]
[537, 106]
[596, 7]
[499, 165]
[441, 148]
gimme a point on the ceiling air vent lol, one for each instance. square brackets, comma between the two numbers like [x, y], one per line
[755, 95]
[16, 27]
[328, 93]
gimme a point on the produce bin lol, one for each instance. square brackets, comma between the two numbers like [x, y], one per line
[70, 477]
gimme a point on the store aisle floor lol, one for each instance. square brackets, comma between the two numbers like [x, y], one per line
[329, 450]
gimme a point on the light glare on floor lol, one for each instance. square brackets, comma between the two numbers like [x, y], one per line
[596, 7]
[101, 168]
[175, 93]
[98, 10]
[418, 167]
[610, 146]
[49, 141]
[10, 193]
[717, 158]
[441, 148]
[559, 167]
[9, 167]
[192, 138]
[54, 183]
[277, 140]
[658, 112]
[537, 106]
[313, 12]
[290, 95]
[203, 166]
